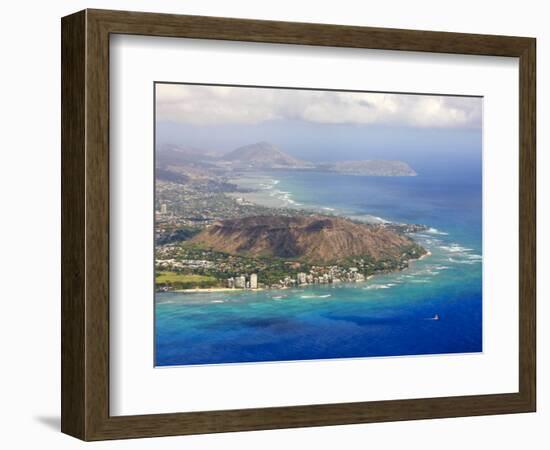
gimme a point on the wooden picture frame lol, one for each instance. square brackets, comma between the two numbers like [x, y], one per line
[85, 224]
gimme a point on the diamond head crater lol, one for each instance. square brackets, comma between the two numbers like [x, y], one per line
[215, 233]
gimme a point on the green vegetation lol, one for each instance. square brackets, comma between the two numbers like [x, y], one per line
[224, 265]
[370, 266]
[180, 233]
[177, 280]
[187, 265]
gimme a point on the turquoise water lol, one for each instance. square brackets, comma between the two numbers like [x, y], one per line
[388, 315]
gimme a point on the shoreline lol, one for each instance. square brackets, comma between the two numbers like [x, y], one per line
[252, 198]
[260, 289]
[267, 197]
[425, 255]
[260, 196]
[220, 289]
[240, 290]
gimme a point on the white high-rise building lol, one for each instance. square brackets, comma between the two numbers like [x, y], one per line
[163, 208]
[253, 281]
[240, 282]
[302, 278]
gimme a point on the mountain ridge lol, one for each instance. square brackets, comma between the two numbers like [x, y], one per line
[315, 238]
[266, 156]
[261, 154]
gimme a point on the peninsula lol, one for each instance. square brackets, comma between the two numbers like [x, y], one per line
[283, 251]
[266, 156]
[209, 236]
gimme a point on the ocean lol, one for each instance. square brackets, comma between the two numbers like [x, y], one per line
[388, 315]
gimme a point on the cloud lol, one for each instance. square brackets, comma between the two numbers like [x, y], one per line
[201, 105]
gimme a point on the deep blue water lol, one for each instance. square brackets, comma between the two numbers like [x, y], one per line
[386, 316]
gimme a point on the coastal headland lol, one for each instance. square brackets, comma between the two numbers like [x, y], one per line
[209, 239]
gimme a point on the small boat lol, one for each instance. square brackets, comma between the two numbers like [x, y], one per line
[436, 317]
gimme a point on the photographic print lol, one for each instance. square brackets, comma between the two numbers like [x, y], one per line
[300, 224]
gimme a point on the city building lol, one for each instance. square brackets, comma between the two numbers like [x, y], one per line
[240, 282]
[253, 281]
[163, 209]
[302, 278]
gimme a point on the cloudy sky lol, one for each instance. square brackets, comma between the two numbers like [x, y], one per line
[311, 124]
[239, 105]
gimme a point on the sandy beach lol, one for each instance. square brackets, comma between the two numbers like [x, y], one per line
[198, 290]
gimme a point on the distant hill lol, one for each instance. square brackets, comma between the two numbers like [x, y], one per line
[168, 175]
[320, 239]
[266, 156]
[169, 157]
[177, 155]
[262, 154]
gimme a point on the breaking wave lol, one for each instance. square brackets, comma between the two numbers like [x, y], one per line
[380, 286]
[436, 231]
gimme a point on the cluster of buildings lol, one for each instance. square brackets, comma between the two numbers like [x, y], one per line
[332, 274]
[173, 264]
[318, 275]
[323, 275]
[243, 282]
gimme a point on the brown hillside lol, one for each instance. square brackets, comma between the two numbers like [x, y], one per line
[314, 238]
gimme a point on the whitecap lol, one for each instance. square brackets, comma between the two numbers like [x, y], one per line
[427, 240]
[369, 219]
[455, 248]
[378, 286]
[475, 257]
[464, 261]
[436, 231]
[380, 219]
